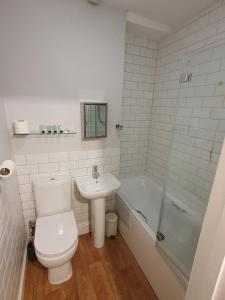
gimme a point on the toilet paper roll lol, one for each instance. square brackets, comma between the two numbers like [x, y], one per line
[21, 127]
[7, 168]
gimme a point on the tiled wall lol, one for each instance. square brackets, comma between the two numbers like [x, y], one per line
[76, 163]
[139, 72]
[207, 28]
[12, 239]
[199, 127]
[12, 230]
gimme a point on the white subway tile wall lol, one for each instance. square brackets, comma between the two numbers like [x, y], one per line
[12, 239]
[196, 109]
[139, 73]
[199, 131]
[76, 163]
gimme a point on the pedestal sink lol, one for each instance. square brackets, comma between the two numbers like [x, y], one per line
[96, 190]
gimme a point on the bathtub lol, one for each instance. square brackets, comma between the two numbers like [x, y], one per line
[143, 197]
[138, 206]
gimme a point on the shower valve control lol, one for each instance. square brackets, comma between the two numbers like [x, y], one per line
[185, 77]
[119, 126]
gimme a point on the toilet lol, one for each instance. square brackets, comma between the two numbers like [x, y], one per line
[56, 234]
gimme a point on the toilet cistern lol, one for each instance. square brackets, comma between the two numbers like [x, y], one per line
[95, 173]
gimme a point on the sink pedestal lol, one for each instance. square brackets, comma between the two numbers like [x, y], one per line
[98, 222]
[96, 190]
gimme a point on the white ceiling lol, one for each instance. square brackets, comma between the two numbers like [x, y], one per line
[172, 13]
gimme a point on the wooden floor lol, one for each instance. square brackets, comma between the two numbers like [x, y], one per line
[108, 273]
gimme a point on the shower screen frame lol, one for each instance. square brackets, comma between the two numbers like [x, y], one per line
[183, 70]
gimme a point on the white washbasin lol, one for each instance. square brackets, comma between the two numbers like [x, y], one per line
[102, 187]
[97, 190]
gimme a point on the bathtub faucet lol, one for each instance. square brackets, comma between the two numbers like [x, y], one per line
[95, 173]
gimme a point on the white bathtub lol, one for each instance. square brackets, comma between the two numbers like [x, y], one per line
[180, 225]
[143, 197]
[138, 206]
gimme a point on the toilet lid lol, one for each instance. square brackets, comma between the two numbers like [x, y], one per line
[55, 234]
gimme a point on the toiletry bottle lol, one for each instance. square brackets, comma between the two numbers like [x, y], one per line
[60, 129]
[54, 129]
[42, 129]
[49, 129]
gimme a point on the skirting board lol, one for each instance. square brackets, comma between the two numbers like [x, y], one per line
[22, 276]
[83, 228]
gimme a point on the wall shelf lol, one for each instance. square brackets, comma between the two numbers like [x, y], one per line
[45, 134]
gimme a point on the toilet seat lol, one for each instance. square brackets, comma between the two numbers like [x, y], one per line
[55, 235]
[52, 262]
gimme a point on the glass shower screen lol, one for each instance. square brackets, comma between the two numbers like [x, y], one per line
[198, 135]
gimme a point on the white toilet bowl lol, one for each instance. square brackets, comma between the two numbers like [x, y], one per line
[56, 240]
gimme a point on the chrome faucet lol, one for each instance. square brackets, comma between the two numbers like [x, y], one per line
[95, 173]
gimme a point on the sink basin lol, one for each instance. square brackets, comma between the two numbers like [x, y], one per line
[102, 187]
[96, 190]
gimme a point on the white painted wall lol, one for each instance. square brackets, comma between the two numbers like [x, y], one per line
[65, 111]
[12, 233]
[5, 149]
[55, 53]
[57, 48]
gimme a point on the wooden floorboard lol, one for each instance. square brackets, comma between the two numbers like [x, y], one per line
[109, 273]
